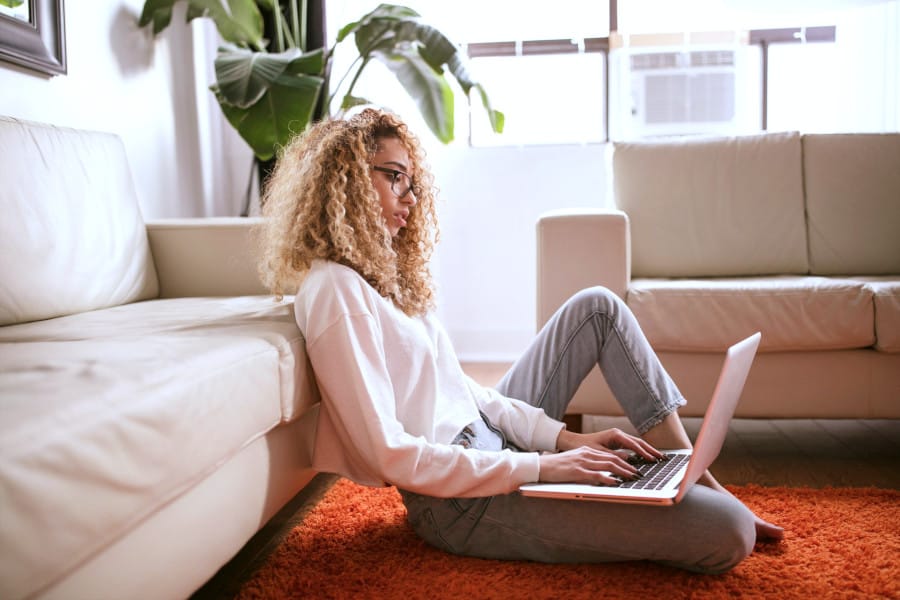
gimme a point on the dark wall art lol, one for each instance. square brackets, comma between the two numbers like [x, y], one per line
[33, 35]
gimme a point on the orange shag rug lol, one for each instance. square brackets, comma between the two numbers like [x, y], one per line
[839, 543]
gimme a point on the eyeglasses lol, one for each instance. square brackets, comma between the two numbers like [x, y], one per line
[401, 183]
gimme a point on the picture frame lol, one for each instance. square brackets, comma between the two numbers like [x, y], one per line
[39, 43]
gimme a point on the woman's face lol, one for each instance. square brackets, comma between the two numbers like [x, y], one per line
[393, 182]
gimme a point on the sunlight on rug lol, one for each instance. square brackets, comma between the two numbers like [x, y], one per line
[839, 543]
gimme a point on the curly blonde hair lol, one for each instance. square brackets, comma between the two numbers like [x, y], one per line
[319, 203]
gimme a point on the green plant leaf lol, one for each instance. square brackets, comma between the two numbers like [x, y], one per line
[434, 46]
[242, 24]
[428, 88]
[284, 110]
[158, 12]
[270, 96]
[11, 3]
[309, 63]
[388, 37]
[350, 101]
[382, 34]
[391, 12]
[238, 21]
[497, 118]
[461, 74]
[243, 76]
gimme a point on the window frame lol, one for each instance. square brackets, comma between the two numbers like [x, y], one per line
[590, 45]
[785, 35]
[761, 37]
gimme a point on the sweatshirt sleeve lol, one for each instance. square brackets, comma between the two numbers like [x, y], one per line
[526, 426]
[349, 362]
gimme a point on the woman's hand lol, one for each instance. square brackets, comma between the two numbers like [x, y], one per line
[596, 458]
[586, 465]
[610, 440]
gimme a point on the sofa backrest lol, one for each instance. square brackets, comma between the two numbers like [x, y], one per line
[853, 203]
[72, 238]
[705, 207]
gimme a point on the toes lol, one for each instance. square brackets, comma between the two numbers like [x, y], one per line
[768, 531]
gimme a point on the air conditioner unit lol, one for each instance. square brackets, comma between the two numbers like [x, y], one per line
[675, 92]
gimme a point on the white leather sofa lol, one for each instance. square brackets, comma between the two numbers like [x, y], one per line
[796, 236]
[156, 407]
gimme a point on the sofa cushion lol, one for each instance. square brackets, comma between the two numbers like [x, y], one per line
[793, 313]
[853, 203]
[72, 238]
[886, 292]
[710, 207]
[123, 409]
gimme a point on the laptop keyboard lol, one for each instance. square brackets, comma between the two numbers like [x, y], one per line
[655, 474]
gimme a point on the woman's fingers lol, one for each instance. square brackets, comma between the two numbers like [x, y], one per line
[620, 439]
[597, 461]
[600, 478]
[648, 451]
[586, 465]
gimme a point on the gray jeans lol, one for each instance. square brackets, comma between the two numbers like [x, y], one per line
[707, 531]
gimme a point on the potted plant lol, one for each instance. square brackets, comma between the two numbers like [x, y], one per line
[271, 89]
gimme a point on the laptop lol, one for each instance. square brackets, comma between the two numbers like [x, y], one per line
[666, 482]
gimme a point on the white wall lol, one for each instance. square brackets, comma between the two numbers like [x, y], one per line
[122, 81]
[490, 199]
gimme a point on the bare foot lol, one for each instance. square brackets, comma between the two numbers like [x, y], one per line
[768, 532]
[765, 531]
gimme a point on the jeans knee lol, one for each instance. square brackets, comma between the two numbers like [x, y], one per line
[597, 298]
[733, 551]
[733, 543]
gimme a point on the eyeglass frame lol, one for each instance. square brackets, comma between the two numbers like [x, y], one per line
[395, 177]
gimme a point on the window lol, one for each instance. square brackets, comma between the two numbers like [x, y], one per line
[732, 67]
[825, 67]
[543, 68]
[548, 98]
[841, 79]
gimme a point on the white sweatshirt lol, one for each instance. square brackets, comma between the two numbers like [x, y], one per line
[394, 396]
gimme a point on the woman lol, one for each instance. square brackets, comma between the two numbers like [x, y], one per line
[351, 221]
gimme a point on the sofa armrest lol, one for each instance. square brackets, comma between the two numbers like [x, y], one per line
[205, 257]
[580, 248]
